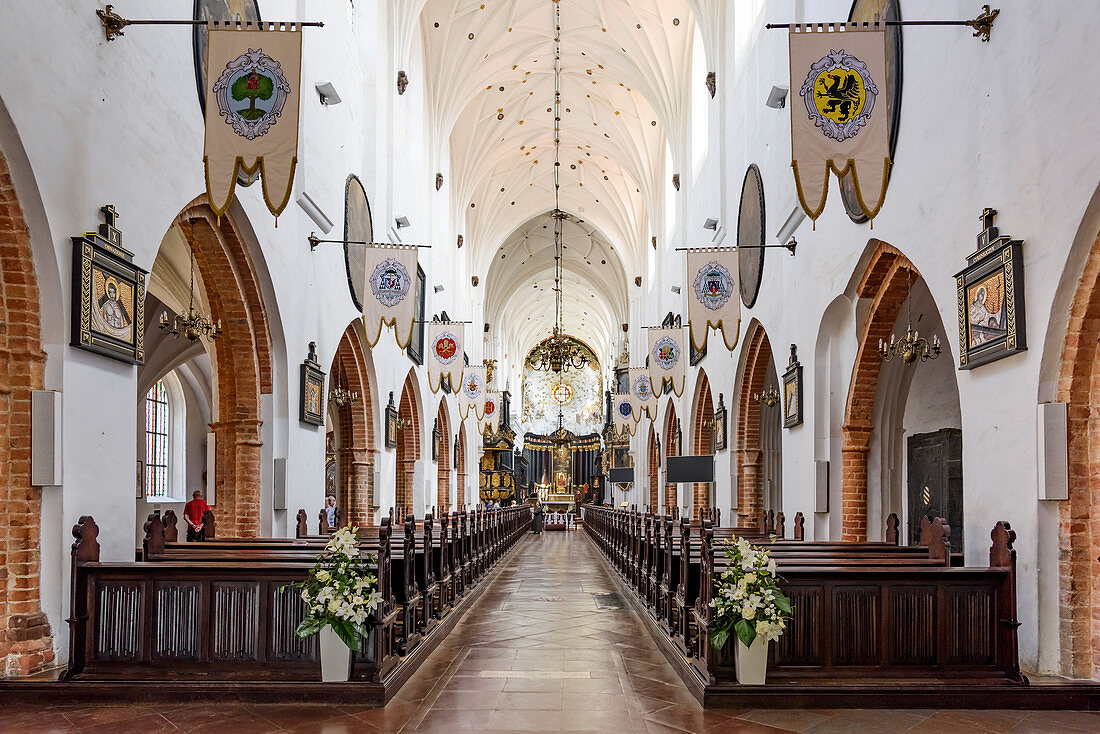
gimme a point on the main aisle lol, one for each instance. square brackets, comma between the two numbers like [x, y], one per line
[549, 647]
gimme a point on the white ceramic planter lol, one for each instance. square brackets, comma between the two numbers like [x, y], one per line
[335, 656]
[751, 663]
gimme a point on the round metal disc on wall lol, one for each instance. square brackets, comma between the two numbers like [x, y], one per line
[218, 10]
[750, 231]
[870, 11]
[357, 228]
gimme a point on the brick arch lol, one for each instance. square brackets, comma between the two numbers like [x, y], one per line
[886, 282]
[443, 468]
[242, 362]
[26, 644]
[672, 448]
[460, 495]
[750, 453]
[408, 444]
[1079, 538]
[703, 440]
[654, 468]
[356, 421]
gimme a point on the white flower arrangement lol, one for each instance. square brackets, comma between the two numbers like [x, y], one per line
[341, 590]
[747, 599]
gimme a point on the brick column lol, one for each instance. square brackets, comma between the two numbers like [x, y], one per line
[857, 441]
[360, 508]
[749, 496]
[237, 485]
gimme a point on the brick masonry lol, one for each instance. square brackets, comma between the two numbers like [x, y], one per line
[356, 449]
[26, 644]
[408, 444]
[887, 283]
[749, 454]
[704, 438]
[1079, 532]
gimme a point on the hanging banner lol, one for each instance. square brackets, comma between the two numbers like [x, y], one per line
[666, 358]
[623, 410]
[253, 79]
[389, 295]
[445, 347]
[713, 300]
[840, 121]
[490, 418]
[471, 394]
[641, 390]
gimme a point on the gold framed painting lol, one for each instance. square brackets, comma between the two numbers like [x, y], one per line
[792, 391]
[108, 306]
[991, 299]
[311, 410]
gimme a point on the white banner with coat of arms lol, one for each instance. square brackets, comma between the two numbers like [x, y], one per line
[471, 394]
[490, 419]
[253, 79]
[389, 294]
[623, 414]
[713, 300]
[666, 358]
[644, 398]
[445, 347]
[839, 118]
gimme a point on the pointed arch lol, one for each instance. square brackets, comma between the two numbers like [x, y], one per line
[443, 466]
[26, 645]
[355, 449]
[654, 468]
[750, 454]
[460, 460]
[702, 438]
[886, 282]
[672, 448]
[242, 358]
[408, 444]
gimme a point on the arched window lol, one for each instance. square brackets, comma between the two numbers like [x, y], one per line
[157, 417]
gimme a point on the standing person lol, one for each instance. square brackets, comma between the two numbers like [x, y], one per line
[331, 514]
[193, 512]
[536, 526]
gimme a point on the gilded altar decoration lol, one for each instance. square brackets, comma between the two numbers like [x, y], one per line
[471, 392]
[445, 345]
[840, 124]
[389, 295]
[108, 307]
[641, 390]
[666, 351]
[311, 408]
[991, 298]
[252, 93]
[713, 301]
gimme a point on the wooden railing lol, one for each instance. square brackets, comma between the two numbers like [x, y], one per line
[860, 609]
[222, 609]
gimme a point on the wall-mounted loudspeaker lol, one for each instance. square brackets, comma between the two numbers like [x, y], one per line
[821, 483]
[280, 485]
[45, 438]
[1053, 452]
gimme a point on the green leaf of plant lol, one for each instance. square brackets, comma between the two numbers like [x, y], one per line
[783, 603]
[718, 638]
[346, 632]
[746, 631]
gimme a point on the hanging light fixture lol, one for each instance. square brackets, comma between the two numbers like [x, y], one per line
[194, 325]
[912, 346]
[559, 353]
[340, 396]
[769, 398]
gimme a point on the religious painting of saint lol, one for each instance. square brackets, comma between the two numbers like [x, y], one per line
[792, 391]
[108, 308]
[991, 298]
[312, 384]
[985, 311]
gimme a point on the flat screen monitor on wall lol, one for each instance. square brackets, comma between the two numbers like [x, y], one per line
[680, 469]
[622, 475]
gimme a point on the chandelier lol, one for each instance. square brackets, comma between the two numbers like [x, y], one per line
[770, 397]
[559, 353]
[340, 396]
[194, 325]
[912, 346]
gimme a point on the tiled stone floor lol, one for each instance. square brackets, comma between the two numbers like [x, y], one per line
[538, 653]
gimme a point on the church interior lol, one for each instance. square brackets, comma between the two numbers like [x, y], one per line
[549, 365]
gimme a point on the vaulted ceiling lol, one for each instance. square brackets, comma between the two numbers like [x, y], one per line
[624, 107]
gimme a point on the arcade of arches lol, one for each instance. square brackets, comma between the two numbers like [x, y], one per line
[552, 160]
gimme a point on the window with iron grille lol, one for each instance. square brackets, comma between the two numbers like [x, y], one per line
[156, 440]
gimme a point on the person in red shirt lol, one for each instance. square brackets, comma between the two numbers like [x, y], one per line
[192, 514]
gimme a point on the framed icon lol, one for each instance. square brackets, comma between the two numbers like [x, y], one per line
[792, 391]
[108, 307]
[720, 424]
[312, 407]
[391, 424]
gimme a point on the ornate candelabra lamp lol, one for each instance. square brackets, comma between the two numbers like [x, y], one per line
[768, 398]
[194, 325]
